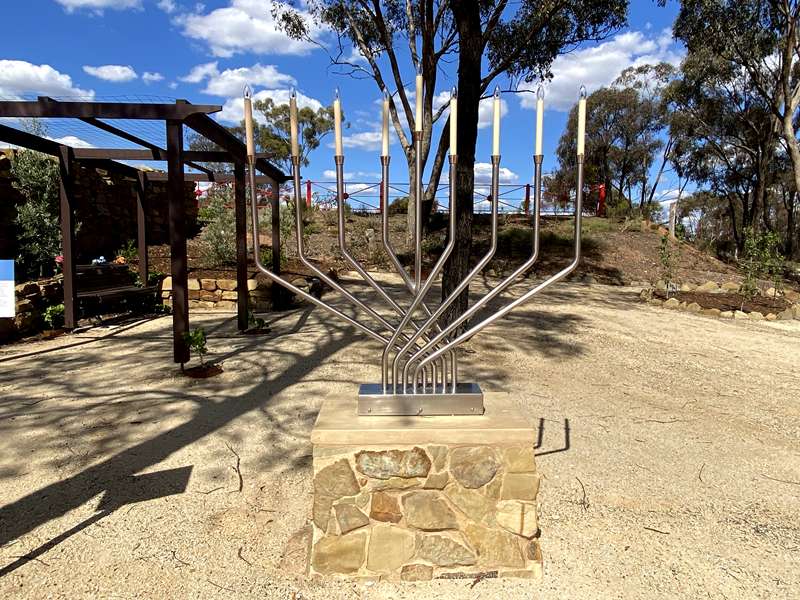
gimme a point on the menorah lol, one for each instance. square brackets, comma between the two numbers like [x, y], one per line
[419, 362]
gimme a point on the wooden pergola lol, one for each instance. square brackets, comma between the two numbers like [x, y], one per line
[176, 117]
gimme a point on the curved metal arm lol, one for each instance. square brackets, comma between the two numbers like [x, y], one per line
[528, 295]
[423, 289]
[276, 279]
[472, 274]
[390, 252]
[508, 280]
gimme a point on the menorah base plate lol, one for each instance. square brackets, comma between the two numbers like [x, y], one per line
[466, 400]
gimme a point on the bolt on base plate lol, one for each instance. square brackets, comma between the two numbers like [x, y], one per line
[467, 400]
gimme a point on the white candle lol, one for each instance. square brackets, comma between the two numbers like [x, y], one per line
[385, 151]
[293, 124]
[337, 123]
[582, 121]
[453, 123]
[418, 116]
[539, 120]
[496, 129]
[248, 123]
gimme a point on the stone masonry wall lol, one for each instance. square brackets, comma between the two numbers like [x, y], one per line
[417, 513]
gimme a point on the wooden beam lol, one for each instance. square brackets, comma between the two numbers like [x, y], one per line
[240, 211]
[275, 205]
[67, 208]
[104, 110]
[177, 241]
[213, 177]
[141, 225]
[17, 137]
[120, 153]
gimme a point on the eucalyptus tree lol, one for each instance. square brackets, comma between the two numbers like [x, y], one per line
[724, 135]
[762, 38]
[392, 39]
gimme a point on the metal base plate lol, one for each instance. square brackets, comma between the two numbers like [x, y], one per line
[467, 400]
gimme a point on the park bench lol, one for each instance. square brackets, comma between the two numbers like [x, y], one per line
[107, 284]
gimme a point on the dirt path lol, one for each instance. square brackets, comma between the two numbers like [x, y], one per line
[668, 442]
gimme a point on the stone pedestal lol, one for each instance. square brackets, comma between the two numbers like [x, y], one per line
[417, 498]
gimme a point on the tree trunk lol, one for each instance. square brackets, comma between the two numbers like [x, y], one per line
[467, 16]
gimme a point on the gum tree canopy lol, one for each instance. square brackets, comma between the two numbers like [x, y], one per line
[515, 41]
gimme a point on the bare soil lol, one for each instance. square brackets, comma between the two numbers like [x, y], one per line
[667, 442]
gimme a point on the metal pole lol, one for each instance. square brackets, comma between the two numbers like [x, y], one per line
[528, 295]
[418, 210]
[240, 211]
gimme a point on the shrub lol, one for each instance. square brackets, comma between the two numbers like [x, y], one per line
[37, 177]
[761, 259]
[54, 316]
[218, 238]
[196, 339]
[130, 251]
[669, 262]
[399, 206]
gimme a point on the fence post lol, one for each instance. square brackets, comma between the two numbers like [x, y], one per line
[308, 194]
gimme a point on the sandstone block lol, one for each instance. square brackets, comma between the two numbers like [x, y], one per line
[711, 312]
[472, 503]
[226, 305]
[740, 315]
[445, 551]
[519, 459]
[518, 517]
[438, 455]
[474, 466]
[786, 315]
[349, 517]
[29, 288]
[694, 307]
[226, 284]
[193, 284]
[330, 484]
[756, 316]
[426, 510]
[339, 554]
[520, 486]
[166, 283]
[208, 284]
[297, 551]
[673, 303]
[252, 284]
[495, 548]
[230, 295]
[708, 287]
[417, 572]
[389, 547]
[436, 481]
[393, 463]
[726, 314]
[385, 508]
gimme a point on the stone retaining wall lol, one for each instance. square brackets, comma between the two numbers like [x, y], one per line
[423, 512]
[32, 299]
[222, 294]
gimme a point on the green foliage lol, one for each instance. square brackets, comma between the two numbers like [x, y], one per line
[761, 259]
[272, 136]
[668, 258]
[266, 257]
[196, 339]
[218, 237]
[130, 251]
[398, 206]
[37, 178]
[54, 316]
[255, 322]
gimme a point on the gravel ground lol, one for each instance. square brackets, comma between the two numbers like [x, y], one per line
[668, 443]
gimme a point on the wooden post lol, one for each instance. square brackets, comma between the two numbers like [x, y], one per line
[141, 225]
[240, 210]
[177, 240]
[275, 204]
[67, 206]
[527, 201]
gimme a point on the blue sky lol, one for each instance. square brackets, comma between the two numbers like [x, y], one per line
[205, 52]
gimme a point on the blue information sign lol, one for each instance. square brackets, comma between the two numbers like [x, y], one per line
[7, 288]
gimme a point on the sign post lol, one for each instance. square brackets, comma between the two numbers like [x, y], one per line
[7, 304]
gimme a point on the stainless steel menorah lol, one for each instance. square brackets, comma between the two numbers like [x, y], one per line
[419, 362]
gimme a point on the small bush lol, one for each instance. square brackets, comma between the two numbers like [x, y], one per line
[130, 251]
[54, 316]
[196, 339]
[668, 257]
[218, 238]
[761, 259]
[399, 206]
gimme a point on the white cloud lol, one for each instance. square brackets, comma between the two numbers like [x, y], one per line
[366, 175]
[18, 77]
[486, 112]
[73, 141]
[231, 82]
[364, 140]
[168, 6]
[150, 77]
[242, 26]
[99, 5]
[233, 108]
[113, 73]
[200, 72]
[483, 174]
[600, 65]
